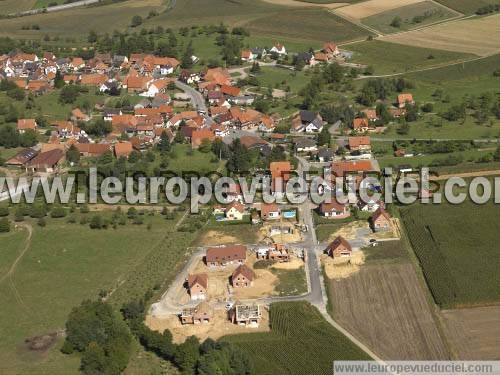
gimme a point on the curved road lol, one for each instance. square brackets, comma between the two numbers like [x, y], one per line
[197, 100]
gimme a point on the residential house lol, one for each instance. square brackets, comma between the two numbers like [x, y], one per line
[109, 113]
[242, 277]
[278, 49]
[221, 256]
[330, 48]
[247, 55]
[197, 285]
[235, 211]
[26, 124]
[360, 124]
[92, 149]
[339, 247]
[371, 114]
[245, 315]
[267, 124]
[360, 144]
[304, 144]
[123, 149]
[380, 220]
[78, 115]
[307, 58]
[334, 209]
[270, 211]
[197, 315]
[198, 136]
[404, 99]
[325, 155]
[280, 174]
[307, 121]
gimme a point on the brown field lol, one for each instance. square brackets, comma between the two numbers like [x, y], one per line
[474, 333]
[479, 36]
[371, 7]
[385, 307]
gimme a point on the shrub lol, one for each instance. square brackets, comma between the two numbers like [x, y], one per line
[4, 225]
[58, 212]
[4, 211]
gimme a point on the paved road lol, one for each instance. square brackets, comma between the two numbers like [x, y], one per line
[57, 7]
[197, 100]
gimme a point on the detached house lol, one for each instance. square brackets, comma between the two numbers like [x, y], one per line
[403, 99]
[197, 315]
[197, 285]
[279, 49]
[360, 124]
[361, 144]
[339, 248]
[380, 220]
[270, 211]
[26, 124]
[247, 55]
[242, 277]
[334, 209]
[235, 211]
[307, 121]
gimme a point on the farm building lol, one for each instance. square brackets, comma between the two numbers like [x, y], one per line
[22, 157]
[248, 315]
[339, 248]
[380, 220]
[47, 162]
[221, 256]
[242, 277]
[196, 315]
[197, 285]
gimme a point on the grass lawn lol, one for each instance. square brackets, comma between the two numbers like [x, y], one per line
[291, 282]
[67, 263]
[46, 3]
[457, 246]
[185, 159]
[388, 58]
[281, 78]
[13, 6]
[386, 251]
[382, 21]
[7, 153]
[298, 334]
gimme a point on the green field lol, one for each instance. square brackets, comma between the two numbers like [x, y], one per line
[14, 6]
[281, 78]
[382, 21]
[291, 282]
[67, 263]
[457, 246]
[398, 58]
[298, 334]
[77, 22]
[466, 6]
[307, 24]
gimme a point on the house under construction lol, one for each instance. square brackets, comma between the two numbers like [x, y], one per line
[248, 315]
[196, 315]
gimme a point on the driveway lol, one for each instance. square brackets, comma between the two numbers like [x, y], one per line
[197, 100]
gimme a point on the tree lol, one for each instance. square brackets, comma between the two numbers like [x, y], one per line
[69, 94]
[205, 146]
[261, 104]
[58, 80]
[4, 211]
[187, 61]
[136, 21]
[187, 354]
[4, 225]
[255, 67]
[73, 155]
[58, 212]
[396, 22]
[92, 37]
[496, 155]
[324, 137]
[96, 222]
[164, 143]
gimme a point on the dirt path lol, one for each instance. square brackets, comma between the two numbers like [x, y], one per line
[466, 174]
[27, 245]
[12, 268]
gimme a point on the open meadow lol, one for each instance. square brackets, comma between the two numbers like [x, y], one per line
[457, 247]
[384, 306]
[411, 16]
[66, 263]
[298, 333]
[480, 36]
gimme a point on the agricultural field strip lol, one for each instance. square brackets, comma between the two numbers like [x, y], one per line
[480, 36]
[369, 8]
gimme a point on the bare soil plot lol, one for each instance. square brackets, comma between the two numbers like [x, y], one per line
[474, 333]
[371, 7]
[479, 36]
[218, 326]
[340, 268]
[384, 306]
